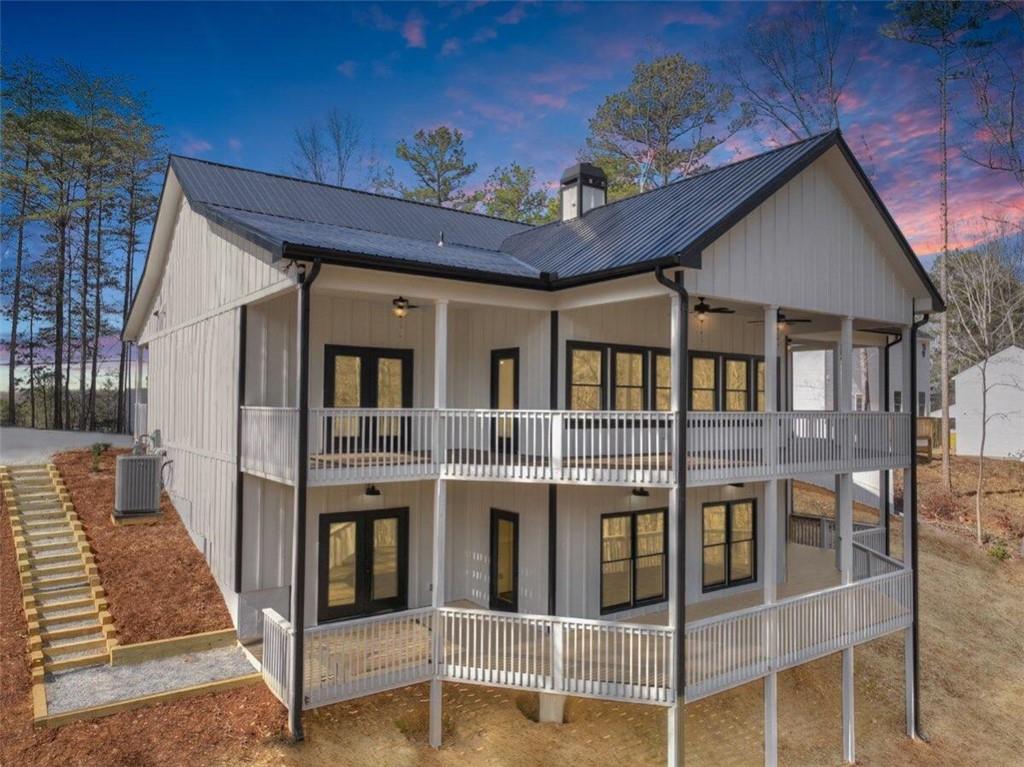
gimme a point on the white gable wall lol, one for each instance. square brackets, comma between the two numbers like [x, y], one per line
[1004, 437]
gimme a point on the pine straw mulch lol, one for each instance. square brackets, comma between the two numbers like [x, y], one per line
[158, 583]
[230, 724]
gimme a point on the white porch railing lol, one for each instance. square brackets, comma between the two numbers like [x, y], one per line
[587, 658]
[278, 645]
[140, 423]
[601, 447]
[268, 442]
[871, 537]
[821, 533]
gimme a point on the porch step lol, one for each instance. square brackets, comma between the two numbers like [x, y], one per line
[68, 556]
[62, 618]
[82, 628]
[65, 600]
[87, 658]
[40, 570]
[75, 644]
[59, 582]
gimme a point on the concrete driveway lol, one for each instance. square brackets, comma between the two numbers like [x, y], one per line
[30, 446]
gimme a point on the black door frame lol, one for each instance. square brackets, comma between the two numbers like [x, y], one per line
[363, 605]
[369, 357]
[497, 355]
[496, 603]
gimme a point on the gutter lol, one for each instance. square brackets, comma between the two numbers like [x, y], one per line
[884, 489]
[682, 408]
[306, 280]
[915, 628]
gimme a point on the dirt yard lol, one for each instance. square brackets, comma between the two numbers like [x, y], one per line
[972, 702]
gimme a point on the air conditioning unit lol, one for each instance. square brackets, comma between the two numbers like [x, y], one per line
[137, 485]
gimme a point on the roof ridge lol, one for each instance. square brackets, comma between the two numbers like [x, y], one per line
[173, 155]
[677, 182]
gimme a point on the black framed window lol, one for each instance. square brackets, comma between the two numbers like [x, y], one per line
[633, 559]
[736, 383]
[662, 398]
[629, 371]
[897, 401]
[729, 543]
[759, 385]
[703, 382]
[586, 376]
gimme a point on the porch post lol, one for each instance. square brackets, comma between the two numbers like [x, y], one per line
[677, 517]
[440, 514]
[553, 488]
[771, 531]
[845, 522]
[138, 392]
[909, 532]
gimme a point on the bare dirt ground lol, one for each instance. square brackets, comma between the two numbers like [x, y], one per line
[815, 501]
[972, 642]
[157, 581]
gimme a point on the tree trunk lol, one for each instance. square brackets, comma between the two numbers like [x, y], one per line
[84, 315]
[58, 325]
[12, 347]
[97, 317]
[32, 361]
[981, 452]
[947, 482]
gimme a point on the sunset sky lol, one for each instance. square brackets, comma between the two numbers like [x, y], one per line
[231, 81]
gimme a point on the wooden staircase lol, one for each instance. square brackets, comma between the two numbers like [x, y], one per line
[65, 605]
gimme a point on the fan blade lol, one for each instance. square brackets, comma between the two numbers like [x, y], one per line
[723, 310]
[797, 320]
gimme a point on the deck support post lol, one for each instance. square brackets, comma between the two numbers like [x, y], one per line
[440, 520]
[138, 390]
[770, 575]
[845, 524]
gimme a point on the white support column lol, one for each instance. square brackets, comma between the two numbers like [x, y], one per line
[845, 525]
[440, 513]
[906, 384]
[769, 577]
[676, 622]
[138, 390]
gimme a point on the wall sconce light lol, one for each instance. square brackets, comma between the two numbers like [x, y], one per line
[372, 491]
[640, 492]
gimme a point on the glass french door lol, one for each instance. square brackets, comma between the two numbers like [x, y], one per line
[505, 396]
[504, 561]
[362, 563]
[366, 377]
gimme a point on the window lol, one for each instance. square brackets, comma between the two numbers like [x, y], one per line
[586, 382]
[729, 544]
[662, 382]
[703, 382]
[628, 372]
[897, 401]
[921, 404]
[737, 384]
[633, 571]
[759, 386]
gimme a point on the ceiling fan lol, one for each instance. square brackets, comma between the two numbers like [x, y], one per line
[783, 320]
[703, 307]
[401, 306]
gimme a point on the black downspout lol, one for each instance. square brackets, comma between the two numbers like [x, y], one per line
[682, 408]
[915, 627]
[239, 476]
[553, 488]
[301, 478]
[884, 489]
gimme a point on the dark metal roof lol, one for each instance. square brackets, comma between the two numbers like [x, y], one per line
[663, 227]
[257, 192]
[664, 222]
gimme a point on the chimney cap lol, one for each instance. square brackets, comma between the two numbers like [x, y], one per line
[588, 172]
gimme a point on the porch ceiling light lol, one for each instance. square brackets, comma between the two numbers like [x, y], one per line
[372, 491]
[400, 307]
[640, 492]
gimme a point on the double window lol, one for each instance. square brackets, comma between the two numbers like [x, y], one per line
[729, 382]
[616, 377]
[633, 571]
[729, 544]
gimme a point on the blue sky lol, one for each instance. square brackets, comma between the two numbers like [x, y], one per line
[230, 81]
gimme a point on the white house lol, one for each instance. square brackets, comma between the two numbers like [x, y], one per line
[1004, 406]
[417, 444]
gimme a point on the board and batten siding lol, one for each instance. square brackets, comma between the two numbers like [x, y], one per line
[193, 344]
[809, 246]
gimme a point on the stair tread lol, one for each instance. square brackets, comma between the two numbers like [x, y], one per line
[61, 644]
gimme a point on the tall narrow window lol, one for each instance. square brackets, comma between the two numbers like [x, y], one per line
[633, 571]
[729, 544]
[760, 386]
[897, 401]
[628, 369]
[662, 381]
[586, 370]
[737, 384]
[703, 379]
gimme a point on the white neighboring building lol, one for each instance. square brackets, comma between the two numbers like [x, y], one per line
[1005, 406]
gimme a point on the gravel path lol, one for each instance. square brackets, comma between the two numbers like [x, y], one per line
[29, 446]
[98, 685]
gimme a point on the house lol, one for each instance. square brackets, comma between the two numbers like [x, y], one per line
[418, 444]
[814, 389]
[1003, 406]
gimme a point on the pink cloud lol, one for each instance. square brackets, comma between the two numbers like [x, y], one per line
[194, 145]
[451, 47]
[548, 100]
[514, 15]
[484, 34]
[412, 30]
[347, 69]
[691, 16]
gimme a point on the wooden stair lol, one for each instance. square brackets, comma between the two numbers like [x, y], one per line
[65, 605]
